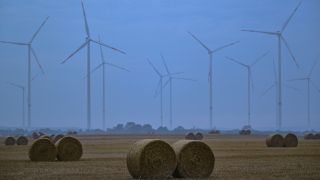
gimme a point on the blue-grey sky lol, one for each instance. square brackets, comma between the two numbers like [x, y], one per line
[144, 29]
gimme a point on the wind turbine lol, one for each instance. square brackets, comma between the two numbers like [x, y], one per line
[87, 42]
[169, 81]
[275, 84]
[22, 88]
[159, 86]
[309, 81]
[30, 51]
[248, 67]
[280, 38]
[210, 53]
[102, 65]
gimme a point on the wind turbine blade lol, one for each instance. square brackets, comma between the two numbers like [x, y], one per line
[107, 46]
[15, 43]
[290, 87]
[297, 79]
[262, 32]
[290, 52]
[165, 64]
[35, 34]
[83, 45]
[186, 79]
[116, 66]
[93, 70]
[259, 58]
[154, 68]
[34, 77]
[156, 92]
[237, 62]
[101, 52]
[37, 60]
[315, 86]
[274, 70]
[15, 85]
[202, 44]
[252, 85]
[85, 20]
[225, 46]
[290, 17]
[312, 68]
[177, 73]
[166, 83]
[268, 89]
[96, 68]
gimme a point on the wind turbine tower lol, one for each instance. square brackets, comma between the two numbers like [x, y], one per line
[210, 53]
[32, 52]
[87, 44]
[309, 81]
[102, 65]
[275, 84]
[159, 87]
[169, 81]
[281, 39]
[248, 67]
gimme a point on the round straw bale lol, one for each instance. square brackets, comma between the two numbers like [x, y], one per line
[42, 150]
[290, 140]
[57, 137]
[195, 159]
[69, 149]
[35, 135]
[22, 140]
[9, 141]
[309, 136]
[198, 136]
[190, 136]
[151, 159]
[275, 140]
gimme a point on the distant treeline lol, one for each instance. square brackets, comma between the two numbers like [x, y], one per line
[20, 131]
[128, 128]
[131, 127]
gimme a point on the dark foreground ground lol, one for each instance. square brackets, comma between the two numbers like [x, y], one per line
[237, 157]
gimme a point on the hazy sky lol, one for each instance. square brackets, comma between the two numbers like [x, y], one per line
[144, 29]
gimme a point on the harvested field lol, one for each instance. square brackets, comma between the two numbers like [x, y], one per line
[104, 157]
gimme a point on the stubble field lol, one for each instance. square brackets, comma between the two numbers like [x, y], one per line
[237, 157]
